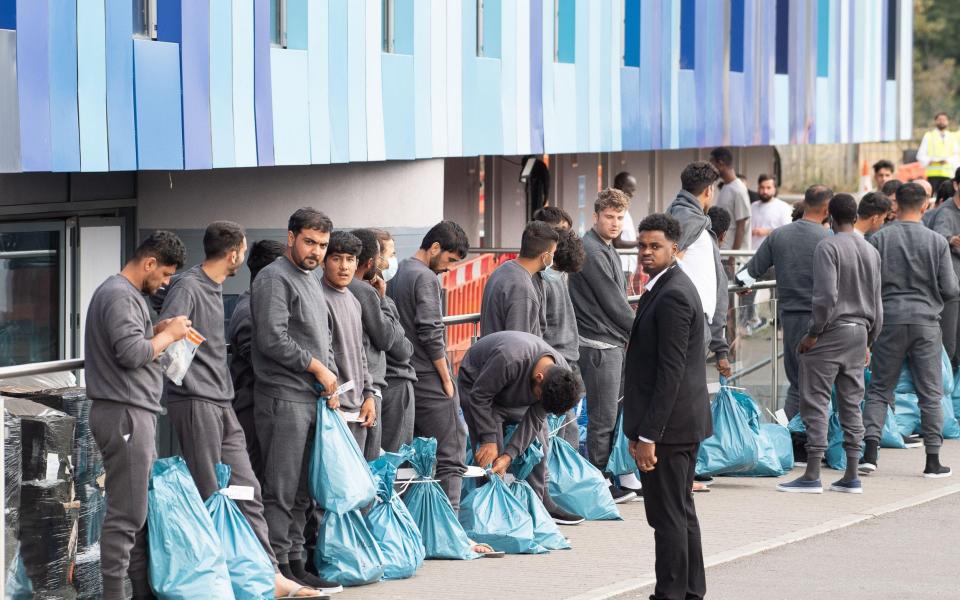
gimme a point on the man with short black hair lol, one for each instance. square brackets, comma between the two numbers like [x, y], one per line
[918, 278]
[125, 383]
[882, 173]
[416, 291]
[789, 250]
[946, 221]
[889, 190]
[735, 198]
[511, 301]
[554, 215]
[719, 222]
[871, 214]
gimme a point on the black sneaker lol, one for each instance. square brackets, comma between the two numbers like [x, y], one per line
[912, 441]
[703, 478]
[937, 472]
[866, 466]
[621, 496]
[561, 517]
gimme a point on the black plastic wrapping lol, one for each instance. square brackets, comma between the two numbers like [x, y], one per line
[12, 468]
[87, 462]
[86, 578]
[47, 440]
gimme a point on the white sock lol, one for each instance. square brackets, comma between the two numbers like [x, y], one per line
[630, 481]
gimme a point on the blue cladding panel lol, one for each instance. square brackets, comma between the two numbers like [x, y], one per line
[688, 34]
[64, 124]
[169, 16]
[92, 85]
[9, 113]
[422, 81]
[398, 106]
[492, 28]
[403, 26]
[121, 128]
[783, 37]
[297, 24]
[566, 31]
[291, 140]
[159, 127]
[630, 107]
[631, 33]
[823, 38]
[223, 148]
[33, 80]
[244, 120]
[737, 16]
[262, 91]
[8, 14]
[339, 100]
[195, 67]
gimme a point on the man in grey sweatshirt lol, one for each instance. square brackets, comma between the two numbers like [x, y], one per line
[125, 383]
[511, 300]
[945, 220]
[339, 267]
[604, 319]
[292, 356]
[847, 317]
[789, 250]
[918, 278]
[416, 292]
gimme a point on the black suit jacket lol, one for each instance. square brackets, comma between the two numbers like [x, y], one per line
[665, 396]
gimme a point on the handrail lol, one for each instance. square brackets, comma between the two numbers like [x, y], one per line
[623, 251]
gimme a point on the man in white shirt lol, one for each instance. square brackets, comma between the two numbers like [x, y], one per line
[769, 212]
[939, 151]
[735, 198]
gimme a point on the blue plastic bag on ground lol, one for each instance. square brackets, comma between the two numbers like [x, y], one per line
[779, 437]
[492, 515]
[620, 462]
[347, 553]
[545, 530]
[251, 570]
[443, 536]
[768, 459]
[890, 435]
[576, 486]
[732, 448]
[905, 382]
[392, 525]
[835, 455]
[340, 479]
[951, 428]
[907, 412]
[186, 560]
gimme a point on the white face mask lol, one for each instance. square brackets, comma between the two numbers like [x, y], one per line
[392, 265]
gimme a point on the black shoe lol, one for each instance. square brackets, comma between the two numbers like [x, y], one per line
[866, 466]
[912, 441]
[621, 496]
[937, 472]
[300, 575]
[637, 491]
[561, 517]
[703, 478]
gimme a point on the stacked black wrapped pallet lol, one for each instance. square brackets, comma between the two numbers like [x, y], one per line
[12, 476]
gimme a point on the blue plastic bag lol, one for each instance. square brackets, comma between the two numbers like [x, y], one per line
[951, 428]
[443, 536]
[768, 459]
[576, 486]
[732, 448]
[251, 570]
[890, 435]
[835, 455]
[18, 584]
[492, 515]
[392, 525]
[545, 530]
[620, 462]
[340, 479]
[186, 560]
[779, 437]
[907, 412]
[347, 553]
[905, 381]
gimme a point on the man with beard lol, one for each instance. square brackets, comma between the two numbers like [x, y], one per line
[767, 214]
[939, 151]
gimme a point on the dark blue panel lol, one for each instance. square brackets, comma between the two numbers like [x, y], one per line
[737, 14]
[195, 73]
[121, 127]
[823, 38]
[169, 27]
[64, 120]
[892, 12]
[262, 87]
[783, 37]
[8, 14]
[688, 34]
[536, 76]
[631, 33]
[566, 31]
[33, 82]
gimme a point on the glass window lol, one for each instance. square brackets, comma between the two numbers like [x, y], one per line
[144, 18]
[489, 28]
[278, 10]
[29, 296]
[564, 34]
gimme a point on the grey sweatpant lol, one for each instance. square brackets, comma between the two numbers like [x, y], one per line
[286, 429]
[374, 435]
[438, 416]
[949, 325]
[921, 345]
[837, 358]
[795, 326]
[397, 414]
[210, 433]
[127, 440]
[601, 371]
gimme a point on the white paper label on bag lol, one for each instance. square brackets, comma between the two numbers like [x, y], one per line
[351, 417]
[781, 417]
[713, 387]
[343, 389]
[238, 492]
[53, 466]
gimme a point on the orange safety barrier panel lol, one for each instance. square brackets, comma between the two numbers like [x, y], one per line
[911, 171]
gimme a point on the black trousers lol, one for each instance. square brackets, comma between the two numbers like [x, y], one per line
[668, 500]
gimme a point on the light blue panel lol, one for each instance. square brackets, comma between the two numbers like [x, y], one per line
[687, 107]
[195, 83]
[64, 126]
[825, 112]
[33, 85]
[649, 125]
[605, 55]
[157, 97]
[582, 61]
[121, 126]
[454, 79]
[738, 135]
[244, 117]
[483, 125]
[92, 85]
[297, 24]
[890, 111]
[356, 80]
[291, 131]
[712, 41]
[221, 84]
[338, 88]
[9, 104]
[508, 74]
[421, 77]
[551, 139]
[319, 78]
[402, 26]
[398, 106]
[781, 120]
[858, 53]
[565, 107]
[630, 107]
[493, 28]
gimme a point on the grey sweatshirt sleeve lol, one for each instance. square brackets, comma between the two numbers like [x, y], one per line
[826, 288]
[610, 296]
[718, 341]
[495, 375]
[429, 319]
[128, 339]
[401, 349]
[874, 331]
[940, 224]
[762, 260]
[270, 306]
[178, 301]
[526, 431]
[383, 330]
[946, 276]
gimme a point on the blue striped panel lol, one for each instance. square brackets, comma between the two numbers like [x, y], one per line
[688, 34]
[738, 135]
[319, 80]
[652, 51]
[737, 22]
[373, 80]
[631, 33]
[482, 131]
[783, 37]
[492, 28]
[244, 118]
[857, 53]
[121, 125]
[338, 94]
[356, 80]
[582, 108]
[169, 21]
[195, 72]
[8, 14]
[403, 26]
[537, 82]
[709, 75]
[546, 98]
[422, 81]
[91, 84]
[689, 119]
[64, 124]
[9, 111]
[607, 62]
[890, 110]
[291, 135]
[454, 78]
[398, 106]
[823, 110]
[262, 88]
[905, 82]
[564, 109]
[566, 30]
[823, 38]
[33, 81]
[630, 125]
[509, 65]
[157, 95]
[223, 149]
[297, 24]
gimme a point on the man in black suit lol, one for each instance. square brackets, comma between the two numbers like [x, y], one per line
[666, 409]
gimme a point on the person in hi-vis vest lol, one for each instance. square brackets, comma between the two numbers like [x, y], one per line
[939, 151]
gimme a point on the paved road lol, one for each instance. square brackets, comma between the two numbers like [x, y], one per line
[905, 555]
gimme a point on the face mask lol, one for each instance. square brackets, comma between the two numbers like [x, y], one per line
[391, 269]
[551, 274]
[549, 264]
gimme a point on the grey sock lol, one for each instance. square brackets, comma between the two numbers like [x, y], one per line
[812, 472]
[852, 462]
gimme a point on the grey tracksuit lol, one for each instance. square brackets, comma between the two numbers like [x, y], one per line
[599, 295]
[847, 317]
[125, 384]
[239, 335]
[200, 409]
[917, 278]
[398, 402]
[496, 385]
[945, 220]
[416, 292]
[291, 325]
[561, 334]
[511, 302]
[790, 249]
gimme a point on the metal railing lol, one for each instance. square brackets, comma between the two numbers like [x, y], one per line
[623, 251]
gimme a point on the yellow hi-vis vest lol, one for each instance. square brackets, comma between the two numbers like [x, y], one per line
[947, 145]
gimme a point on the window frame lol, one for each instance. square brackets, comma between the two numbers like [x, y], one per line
[148, 11]
[278, 33]
[388, 23]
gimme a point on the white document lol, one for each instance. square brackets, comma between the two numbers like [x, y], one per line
[238, 492]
